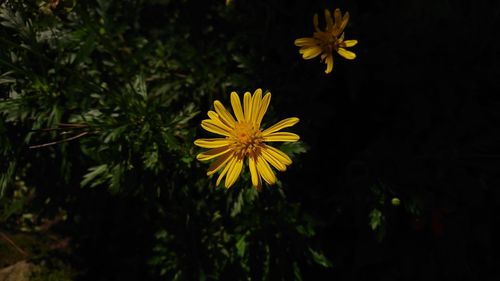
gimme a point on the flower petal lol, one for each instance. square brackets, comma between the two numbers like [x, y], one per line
[224, 171]
[328, 19]
[215, 119]
[237, 109]
[282, 137]
[247, 105]
[253, 171]
[346, 54]
[211, 127]
[340, 22]
[273, 161]
[345, 20]
[263, 108]
[212, 153]
[350, 43]
[256, 100]
[233, 173]
[225, 116]
[316, 22]
[265, 171]
[329, 64]
[219, 163]
[288, 122]
[278, 154]
[338, 17]
[311, 52]
[212, 142]
[305, 42]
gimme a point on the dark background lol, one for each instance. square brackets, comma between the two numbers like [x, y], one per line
[416, 117]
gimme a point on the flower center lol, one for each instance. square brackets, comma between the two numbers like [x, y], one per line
[246, 138]
[329, 42]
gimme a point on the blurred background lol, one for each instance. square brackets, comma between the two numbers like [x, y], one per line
[396, 176]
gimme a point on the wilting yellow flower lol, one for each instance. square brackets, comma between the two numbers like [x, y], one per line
[325, 42]
[243, 138]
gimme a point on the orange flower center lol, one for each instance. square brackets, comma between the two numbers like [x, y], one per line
[247, 139]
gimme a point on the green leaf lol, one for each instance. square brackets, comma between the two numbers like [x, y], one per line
[139, 86]
[294, 148]
[320, 259]
[86, 49]
[93, 174]
[118, 172]
[296, 272]
[7, 177]
[241, 246]
[5, 79]
[376, 218]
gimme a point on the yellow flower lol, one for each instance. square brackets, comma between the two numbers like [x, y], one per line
[325, 42]
[243, 138]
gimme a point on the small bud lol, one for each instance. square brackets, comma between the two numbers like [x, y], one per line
[395, 201]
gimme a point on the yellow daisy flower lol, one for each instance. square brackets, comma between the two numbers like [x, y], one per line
[244, 138]
[325, 42]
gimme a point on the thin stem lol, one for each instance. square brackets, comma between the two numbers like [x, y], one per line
[59, 141]
[6, 238]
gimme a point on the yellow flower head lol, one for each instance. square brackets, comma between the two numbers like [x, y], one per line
[244, 138]
[325, 42]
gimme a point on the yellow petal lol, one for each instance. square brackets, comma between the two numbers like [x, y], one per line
[265, 171]
[263, 108]
[311, 52]
[329, 64]
[278, 154]
[212, 143]
[219, 163]
[316, 22]
[345, 20]
[328, 19]
[238, 110]
[212, 114]
[233, 173]
[211, 127]
[306, 41]
[224, 115]
[253, 171]
[212, 153]
[338, 16]
[273, 161]
[350, 43]
[282, 137]
[226, 168]
[247, 105]
[346, 54]
[256, 99]
[285, 123]
[215, 119]
[340, 22]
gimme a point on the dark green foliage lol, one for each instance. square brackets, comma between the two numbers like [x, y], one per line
[100, 107]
